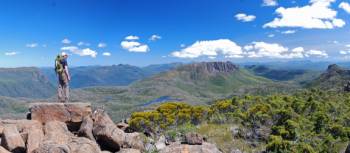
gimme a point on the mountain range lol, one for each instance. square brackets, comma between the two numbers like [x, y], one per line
[125, 88]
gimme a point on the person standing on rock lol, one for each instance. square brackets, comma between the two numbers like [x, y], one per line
[61, 68]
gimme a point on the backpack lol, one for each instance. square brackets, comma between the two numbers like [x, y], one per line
[58, 66]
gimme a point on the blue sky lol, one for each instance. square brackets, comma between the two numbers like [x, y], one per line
[143, 32]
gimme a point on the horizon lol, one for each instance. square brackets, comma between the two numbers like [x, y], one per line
[152, 32]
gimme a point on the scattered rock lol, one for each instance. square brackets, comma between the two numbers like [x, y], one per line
[236, 151]
[185, 148]
[83, 145]
[193, 139]
[12, 139]
[34, 138]
[123, 126]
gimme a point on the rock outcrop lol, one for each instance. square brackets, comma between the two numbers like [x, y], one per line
[66, 128]
[75, 128]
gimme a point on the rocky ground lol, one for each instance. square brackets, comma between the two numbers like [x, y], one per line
[76, 128]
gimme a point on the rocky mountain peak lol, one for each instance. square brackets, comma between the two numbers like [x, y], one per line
[213, 67]
[334, 68]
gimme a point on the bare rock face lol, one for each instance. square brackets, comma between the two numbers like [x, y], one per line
[69, 113]
[34, 138]
[83, 145]
[12, 139]
[204, 148]
[193, 139]
[3, 150]
[134, 140]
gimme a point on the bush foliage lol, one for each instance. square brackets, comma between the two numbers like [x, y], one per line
[308, 121]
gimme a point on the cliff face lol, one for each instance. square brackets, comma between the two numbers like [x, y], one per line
[210, 68]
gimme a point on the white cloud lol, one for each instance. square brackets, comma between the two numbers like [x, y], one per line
[133, 46]
[102, 45]
[345, 6]
[316, 15]
[289, 32]
[32, 45]
[270, 3]
[244, 17]
[182, 45]
[131, 37]
[343, 52]
[11, 53]
[347, 45]
[80, 52]
[317, 53]
[271, 35]
[66, 41]
[106, 54]
[81, 43]
[155, 37]
[210, 48]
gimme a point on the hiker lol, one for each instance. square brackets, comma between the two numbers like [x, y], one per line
[61, 68]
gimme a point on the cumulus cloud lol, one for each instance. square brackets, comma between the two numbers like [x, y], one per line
[155, 38]
[271, 35]
[210, 48]
[133, 46]
[244, 17]
[229, 49]
[11, 53]
[131, 37]
[32, 45]
[80, 52]
[270, 3]
[289, 32]
[317, 53]
[106, 54]
[66, 41]
[81, 43]
[102, 45]
[317, 15]
[345, 6]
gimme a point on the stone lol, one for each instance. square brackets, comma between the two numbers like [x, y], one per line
[83, 145]
[160, 144]
[106, 133]
[236, 151]
[50, 147]
[12, 140]
[35, 138]
[193, 139]
[129, 150]
[57, 132]
[123, 126]
[134, 140]
[70, 113]
[86, 128]
[3, 150]
[185, 148]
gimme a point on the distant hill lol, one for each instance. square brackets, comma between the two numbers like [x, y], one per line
[298, 76]
[115, 75]
[25, 82]
[334, 78]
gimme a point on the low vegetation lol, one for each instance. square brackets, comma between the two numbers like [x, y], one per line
[307, 121]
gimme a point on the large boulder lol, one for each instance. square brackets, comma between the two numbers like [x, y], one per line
[12, 139]
[34, 138]
[83, 145]
[86, 128]
[106, 133]
[70, 113]
[204, 148]
[57, 132]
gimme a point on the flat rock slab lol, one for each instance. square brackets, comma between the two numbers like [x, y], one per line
[63, 112]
